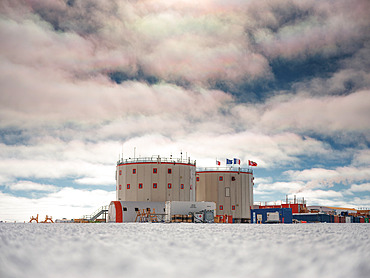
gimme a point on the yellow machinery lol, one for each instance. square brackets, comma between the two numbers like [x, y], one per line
[48, 219]
[35, 218]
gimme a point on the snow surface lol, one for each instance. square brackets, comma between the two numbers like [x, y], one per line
[184, 250]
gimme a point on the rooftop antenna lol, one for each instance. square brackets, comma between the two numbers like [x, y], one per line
[122, 151]
[181, 155]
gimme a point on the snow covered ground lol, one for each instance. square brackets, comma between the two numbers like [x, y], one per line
[184, 250]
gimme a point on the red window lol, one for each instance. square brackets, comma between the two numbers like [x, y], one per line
[221, 178]
[221, 207]
[154, 170]
[120, 172]
[169, 186]
[169, 170]
[120, 187]
[182, 186]
[140, 186]
[128, 186]
[134, 171]
[233, 207]
[154, 185]
[197, 178]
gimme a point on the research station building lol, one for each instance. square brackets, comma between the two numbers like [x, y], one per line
[230, 188]
[155, 179]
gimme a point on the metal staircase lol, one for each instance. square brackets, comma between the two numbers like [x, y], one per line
[102, 211]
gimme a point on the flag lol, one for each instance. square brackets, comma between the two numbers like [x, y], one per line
[236, 161]
[252, 163]
[229, 161]
[218, 163]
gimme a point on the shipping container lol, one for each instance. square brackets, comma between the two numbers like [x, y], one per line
[331, 218]
[186, 208]
[336, 219]
[313, 217]
[272, 215]
[342, 219]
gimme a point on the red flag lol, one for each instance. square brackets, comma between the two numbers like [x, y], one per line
[252, 163]
[218, 163]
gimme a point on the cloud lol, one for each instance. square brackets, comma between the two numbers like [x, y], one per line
[325, 197]
[54, 169]
[287, 187]
[173, 44]
[359, 188]
[324, 115]
[361, 158]
[318, 177]
[31, 186]
[178, 42]
[293, 29]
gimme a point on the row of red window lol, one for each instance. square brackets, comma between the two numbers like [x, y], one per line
[155, 171]
[169, 186]
[220, 178]
[221, 207]
[169, 171]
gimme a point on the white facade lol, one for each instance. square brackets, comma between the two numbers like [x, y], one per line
[119, 211]
[185, 208]
[126, 211]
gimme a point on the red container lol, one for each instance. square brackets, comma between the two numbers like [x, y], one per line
[229, 219]
[336, 218]
[362, 220]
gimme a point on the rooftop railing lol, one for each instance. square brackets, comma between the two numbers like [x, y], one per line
[228, 169]
[156, 159]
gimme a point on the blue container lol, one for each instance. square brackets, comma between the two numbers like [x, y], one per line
[308, 217]
[324, 218]
[314, 217]
[331, 218]
[285, 215]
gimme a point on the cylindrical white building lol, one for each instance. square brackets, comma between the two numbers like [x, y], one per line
[230, 189]
[155, 179]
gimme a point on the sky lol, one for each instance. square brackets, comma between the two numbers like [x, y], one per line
[283, 83]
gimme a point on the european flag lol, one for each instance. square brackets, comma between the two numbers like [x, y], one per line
[229, 161]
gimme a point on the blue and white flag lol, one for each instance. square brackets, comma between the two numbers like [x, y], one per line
[229, 161]
[236, 161]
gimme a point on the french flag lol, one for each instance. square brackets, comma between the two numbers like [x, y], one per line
[236, 161]
[218, 163]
